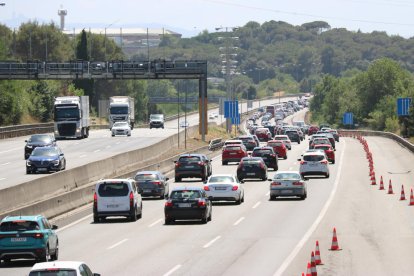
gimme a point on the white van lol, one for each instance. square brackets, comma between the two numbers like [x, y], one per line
[116, 197]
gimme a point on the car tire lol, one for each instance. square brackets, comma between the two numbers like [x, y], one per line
[223, 163]
[177, 179]
[113, 135]
[242, 199]
[204, 220]
[139, 216]
[285, 157]
[272, 197]
[133, 216]
[168, 221]
[55, 255]
[46, 258]
[238, 202]
[304, 196]
[264, 178]
[129, 135]
[327, 175]
[28, 171]
[333, 161]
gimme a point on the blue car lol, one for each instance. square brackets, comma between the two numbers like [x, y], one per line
[28, 237]
[45, 159]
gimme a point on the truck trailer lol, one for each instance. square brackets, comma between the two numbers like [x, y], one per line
[121, 109]
[71, 117]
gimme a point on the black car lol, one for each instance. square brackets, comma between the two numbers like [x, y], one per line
[268, 155]
[252, 167]
[293, 135]
[152, 183]
[187, 203]
[192, 165]
[46, 159]
[38, 140]
[248, 141]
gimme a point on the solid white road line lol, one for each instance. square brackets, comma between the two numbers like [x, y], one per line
[98, 150]
[238, 221]
[5, 164]
[171, 271]
[155, 222]
[257, 204]
[207, 245]
[2, 179]
[313, 227]
[73, 223]
[9, 150]
[118, 243]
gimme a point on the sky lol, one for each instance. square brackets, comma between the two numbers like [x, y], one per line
[191, 17]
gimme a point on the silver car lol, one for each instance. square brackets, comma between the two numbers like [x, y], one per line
[314, 163]
[224, 187]
[121, 128]
[287, 183]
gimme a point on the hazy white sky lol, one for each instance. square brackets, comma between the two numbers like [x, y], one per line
[192, 16]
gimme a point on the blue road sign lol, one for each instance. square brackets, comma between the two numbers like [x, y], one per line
[403, 106]
[348, 118]
[235, 120]
[231, 109]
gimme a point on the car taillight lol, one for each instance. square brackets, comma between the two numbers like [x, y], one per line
[95, 200]
[38, 236]
[156, 182]
[206, 188]
[276, 184]
[200, 163]
[201, 203]
[235, 188]
[177, 164]
[297, 183]
[273, 155]
[324, 162]
[303, 162]
[262, 166]
[168, 203]
[131, 199]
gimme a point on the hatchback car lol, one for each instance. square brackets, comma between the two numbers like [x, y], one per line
[279, 148]
[233, 153]
[285, 140]
[330, 153]
[38, 140]
[68, 268]
[28, 237]
[46, 159]
[116, 197]
[224, 187]
[263, 134]
[287, 183]
[314, 163]
[152, 183]
[248, 141]
[313, 130]
[252, 167]
[268, 155]
[187, 203]
[319, 141]
[192, 165]
[293, 135]
[121, 128]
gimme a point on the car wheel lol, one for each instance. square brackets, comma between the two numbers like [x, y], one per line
[96, 219]
[133, 216]
[223, 163]
[113, 135]
[272, 197]
[242, 200]
[264, 178]
[333, 161]
[139, 216]
[204, 220]
[129, 134]
[28, 171]
[55, 255]
[46, 258]
[177, 179]
[168, 221]
[285, 157]
[238, 202]
[327, 175]
[162, 127]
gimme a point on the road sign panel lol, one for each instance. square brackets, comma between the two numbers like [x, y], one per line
[235, 120]
[403, 106]
[348, 118]
[231, 109]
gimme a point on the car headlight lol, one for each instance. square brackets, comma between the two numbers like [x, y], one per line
[28, 163]
[29, 146]
[56, 162]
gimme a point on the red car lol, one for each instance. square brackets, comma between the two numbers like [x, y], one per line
[330, 153]
[263, 134]
[279, 147]
[313, 130]
[233, 153]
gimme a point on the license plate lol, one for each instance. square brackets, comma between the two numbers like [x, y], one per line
[147, 191]
[250, 173]
[23, 239]
[313, 165]
[220, 188]
[184, 205]
[286, 191]
[233, 153]
[188, 167]
[42, 169]
[112, 205]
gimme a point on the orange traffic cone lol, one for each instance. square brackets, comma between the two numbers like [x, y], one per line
[381, 184]
[308, 270]
[411, 198]
[313, 265]
[334, 245]
[318, 260]
[373, 180]
[390, 191]
[402, 197]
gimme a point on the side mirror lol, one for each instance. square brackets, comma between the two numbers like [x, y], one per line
[175, 161]
[96, 274]
[299, 159]
[269, 179]
[167, 178]
[242, 181]
[25, 141]
[334, 149]
[61, 154]
[205, 182]
[210, 198]
[54, 227]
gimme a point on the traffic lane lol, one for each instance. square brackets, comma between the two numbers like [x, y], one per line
[375, 230]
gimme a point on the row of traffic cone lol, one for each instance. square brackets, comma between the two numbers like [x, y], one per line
[316, 256]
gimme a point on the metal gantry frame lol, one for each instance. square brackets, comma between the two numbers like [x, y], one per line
[118, 70]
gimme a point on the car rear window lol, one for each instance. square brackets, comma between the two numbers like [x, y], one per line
[146, 177]
[221, 179]
[54, 272]
[251, 162]
[323, 147]
[231, 148]
[113, 189]
[275, 144]
[189, 159]
[185, 194]
[20, 225]
[261, 131]
[262, 151]
[293, 176]
[313, 158]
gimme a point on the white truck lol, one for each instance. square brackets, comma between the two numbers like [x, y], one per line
[121, 109]
[71, 117]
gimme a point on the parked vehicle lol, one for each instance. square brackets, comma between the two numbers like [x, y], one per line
[233, 153]
[152, 183]
[186, 203]
[156, 121]
[121, 128]
[192, 165]
[252, 167]
[71, 117]
[268, 156]
[121, 109]
[46, 159]
[224, 187]
[58, 268]
[38, 140]
[116, 197]
[287, 184]
[28, 237]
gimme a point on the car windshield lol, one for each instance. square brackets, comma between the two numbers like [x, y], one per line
[189, 159]
[19, 225]
[121, 124]
[313, 158]
[40, 139]
[146, 177]
[44, 152]
[113, 189]
[54, 272]
[287, 176]
[221, 179]
[181, 194]
[156, 117]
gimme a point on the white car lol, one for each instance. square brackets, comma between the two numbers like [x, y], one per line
[121, 128]
[224, 187]
[116, 197]
[287, 183]
[61, 268]
[285, 140]
[184, 124]
[314, 163]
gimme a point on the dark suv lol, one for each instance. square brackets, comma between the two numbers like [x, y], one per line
[268, 155]
[293, 135]
[38, 140]
[152, 183]
[192, 165]
[248, 141]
